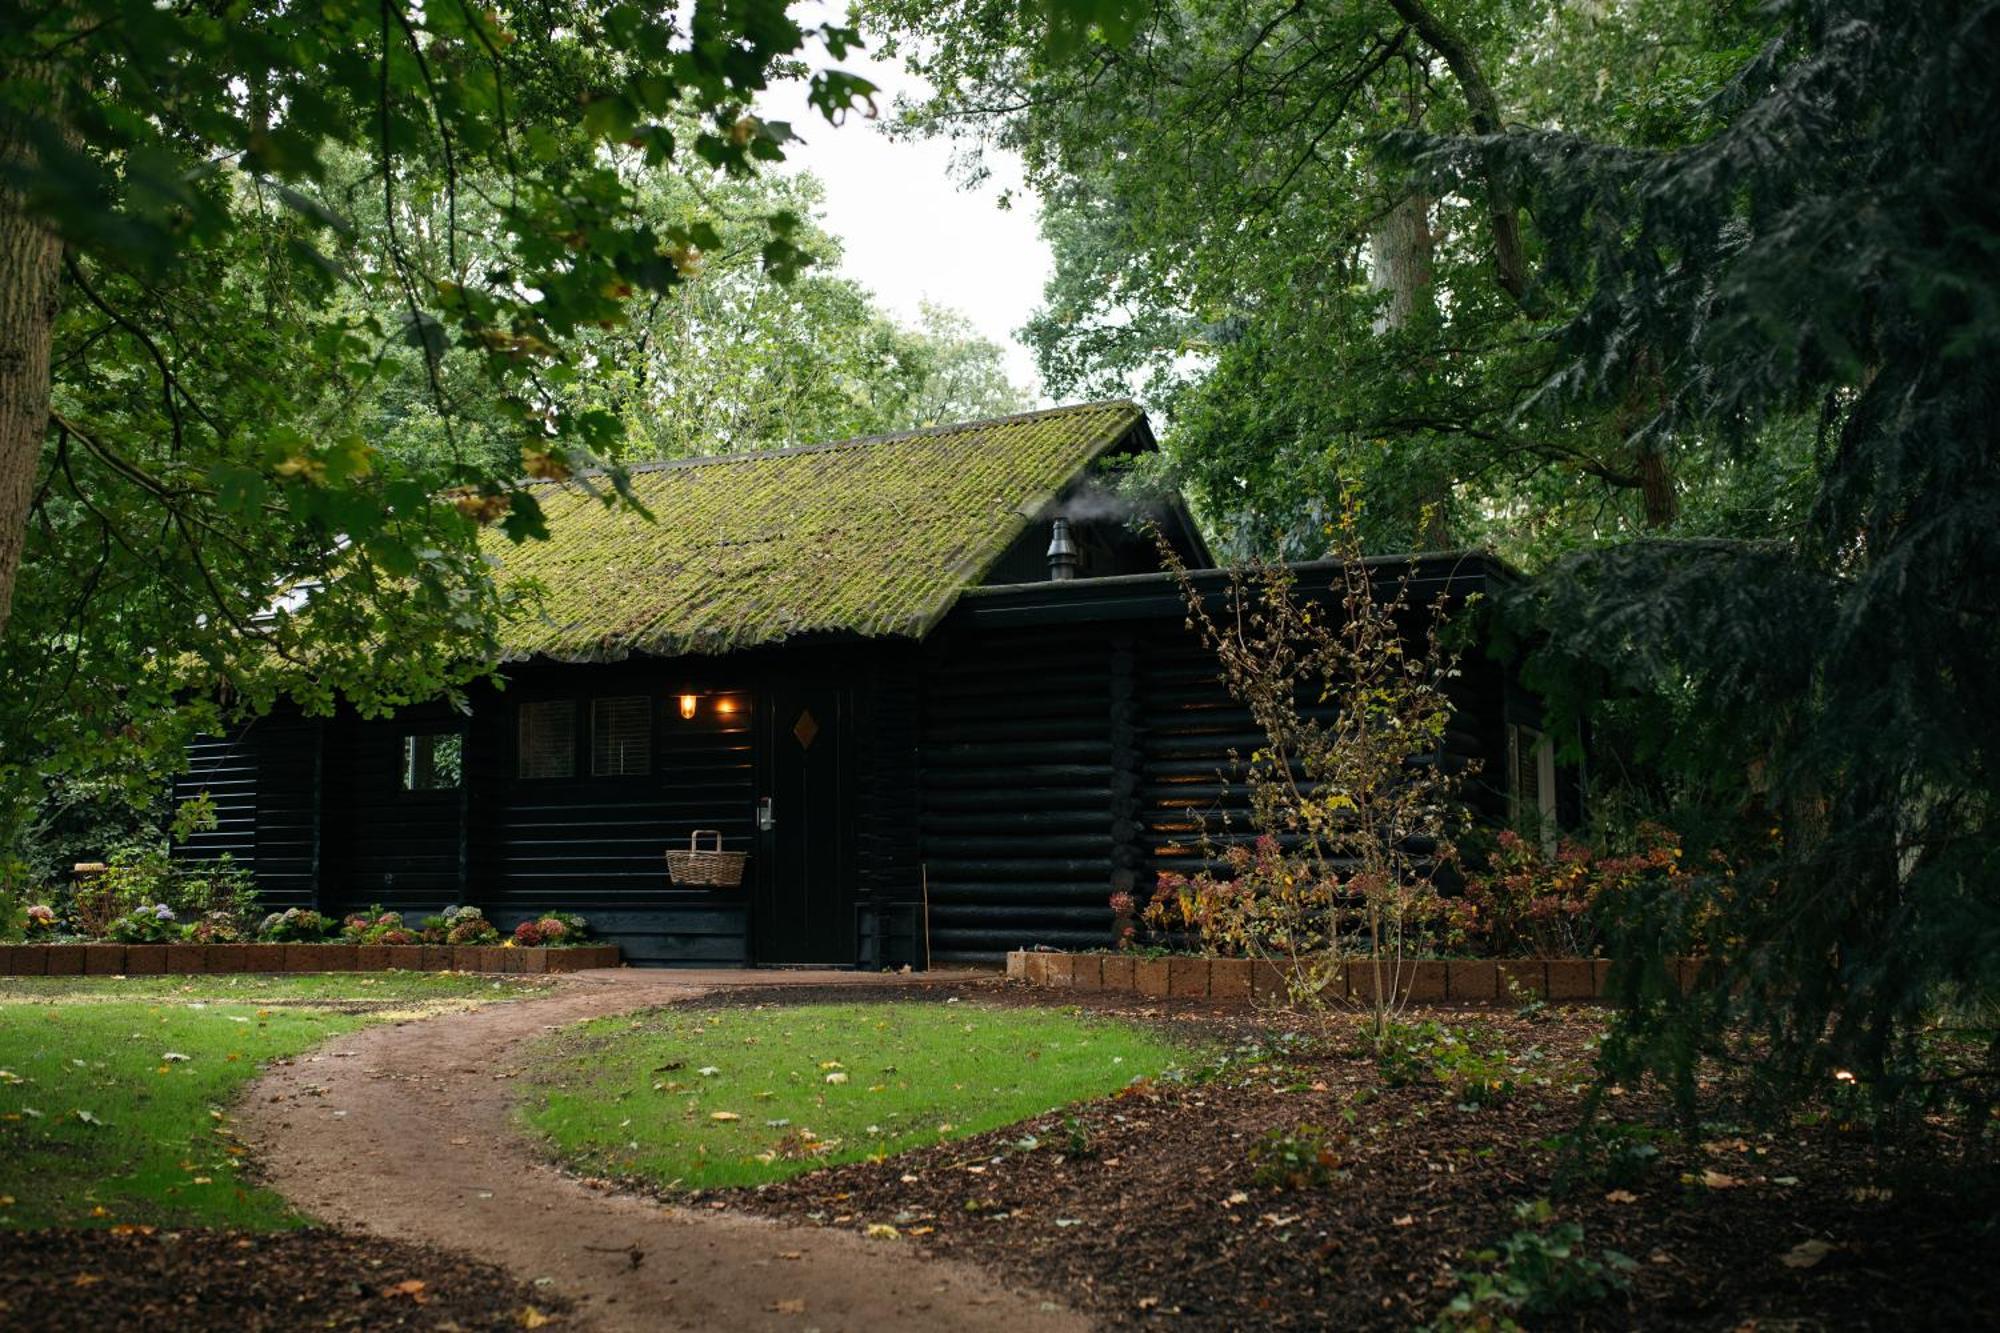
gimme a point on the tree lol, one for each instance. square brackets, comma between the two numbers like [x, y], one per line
[1231, 229]
[1827, 252]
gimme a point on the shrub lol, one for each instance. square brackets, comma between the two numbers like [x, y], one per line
[217, 928]
[552, 930]
[40, 922]
[151, 924]
[1468, 1061]
[294, 924]
[1297, 1158]
[468, 925]
[1535, 903]
[1357, 817]
[374, 926]
[1536, 1273]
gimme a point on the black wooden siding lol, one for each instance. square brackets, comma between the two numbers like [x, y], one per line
[1048, 744]
[263, 780]
[1078, 741]
[1017, 785]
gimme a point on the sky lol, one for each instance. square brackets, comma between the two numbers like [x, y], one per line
[910, 232]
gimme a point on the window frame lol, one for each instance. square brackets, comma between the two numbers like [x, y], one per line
[522, 712]
[648, 710]
[404, 757]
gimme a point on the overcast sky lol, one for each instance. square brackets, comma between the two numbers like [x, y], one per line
[911, 234]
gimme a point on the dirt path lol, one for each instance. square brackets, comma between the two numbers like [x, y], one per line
[404, 1130]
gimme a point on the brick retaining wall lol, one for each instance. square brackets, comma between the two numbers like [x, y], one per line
[1443, 981]
[71, 960]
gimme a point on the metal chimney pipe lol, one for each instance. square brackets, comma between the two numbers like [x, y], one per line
[1062, 552]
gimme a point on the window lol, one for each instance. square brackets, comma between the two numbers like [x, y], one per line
[1531, 794]
[434, 761]
[548, 739]
[621, 736]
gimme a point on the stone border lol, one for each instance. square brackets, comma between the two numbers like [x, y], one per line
[75, 960]
[1470, 981]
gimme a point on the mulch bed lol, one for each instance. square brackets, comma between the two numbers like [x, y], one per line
[1143, 1207]
[142, 1279]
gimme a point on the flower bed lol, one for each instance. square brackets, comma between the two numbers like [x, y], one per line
[56, 960]
[1471, 981]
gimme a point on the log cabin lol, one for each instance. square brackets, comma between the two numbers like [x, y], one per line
[935, 686]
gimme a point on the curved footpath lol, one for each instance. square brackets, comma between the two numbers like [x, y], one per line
[406, 1130]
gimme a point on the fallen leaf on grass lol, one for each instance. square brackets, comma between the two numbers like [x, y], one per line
[836, 1077]
[724, 1115]
[1806, 1254]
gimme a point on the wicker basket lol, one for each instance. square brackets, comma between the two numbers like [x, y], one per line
[710, 866]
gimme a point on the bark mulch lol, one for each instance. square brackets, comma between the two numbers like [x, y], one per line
[1148, 1207]
[143, 1279]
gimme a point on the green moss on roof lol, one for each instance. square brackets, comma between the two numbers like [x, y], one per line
[873, 537]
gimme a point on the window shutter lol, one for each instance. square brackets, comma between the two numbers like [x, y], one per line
[621, 736]
[548, 739]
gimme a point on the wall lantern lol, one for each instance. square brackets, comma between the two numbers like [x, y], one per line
[725, 705]
[687, 705]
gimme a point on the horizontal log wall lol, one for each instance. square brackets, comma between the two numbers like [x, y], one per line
[1018, 785]
[264, 782]
[1066, 756]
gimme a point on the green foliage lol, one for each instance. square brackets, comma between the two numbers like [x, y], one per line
[294, 925]
[693, 1099]
[1469, 1061]
[1231, 230]
[1539, 1271]
[1822, 251]
[1353, 800]
[1304, 1157]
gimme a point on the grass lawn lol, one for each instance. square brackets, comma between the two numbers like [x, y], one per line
[278, 987]
[701, 1098]
[114, 1092]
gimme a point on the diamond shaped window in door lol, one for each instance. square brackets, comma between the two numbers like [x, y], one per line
[805, 728]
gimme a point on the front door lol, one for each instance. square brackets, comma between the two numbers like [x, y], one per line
[803, 911]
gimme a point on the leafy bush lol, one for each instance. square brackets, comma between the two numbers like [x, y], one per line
[146, 875]
[1539, 1272]
[1297, 1158]
[467, 925]
[1532, 903]
[154, 923]
[554, 930]
[1469, 1061]
[295, 925]
[39, 921]
[376, 926]
[217, 928]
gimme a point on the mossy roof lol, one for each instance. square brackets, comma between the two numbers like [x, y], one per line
[874, 537]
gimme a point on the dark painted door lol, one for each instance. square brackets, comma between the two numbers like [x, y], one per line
[804, 909]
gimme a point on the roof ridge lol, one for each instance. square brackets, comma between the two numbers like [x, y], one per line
[858, 441]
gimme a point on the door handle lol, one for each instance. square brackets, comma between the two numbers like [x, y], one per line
[766, 821]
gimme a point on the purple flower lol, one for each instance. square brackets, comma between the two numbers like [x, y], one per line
[162, 912]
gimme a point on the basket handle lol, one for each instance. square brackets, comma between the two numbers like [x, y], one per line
[694, 839]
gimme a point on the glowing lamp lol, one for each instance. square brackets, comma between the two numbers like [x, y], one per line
[687, 705]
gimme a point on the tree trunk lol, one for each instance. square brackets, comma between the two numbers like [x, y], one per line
[1399, 253]
[30, 275]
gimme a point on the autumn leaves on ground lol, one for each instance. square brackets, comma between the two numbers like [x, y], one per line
[1144, 1161]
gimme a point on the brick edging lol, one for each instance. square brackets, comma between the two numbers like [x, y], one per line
[1473, 981]
[71, 960]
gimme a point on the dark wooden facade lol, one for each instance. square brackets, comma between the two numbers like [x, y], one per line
[1048, 743]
